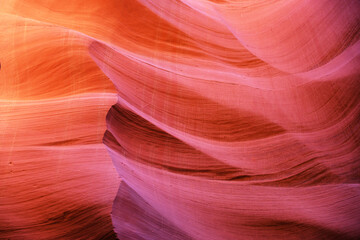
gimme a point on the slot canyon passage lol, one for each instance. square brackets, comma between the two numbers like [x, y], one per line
[179, 119]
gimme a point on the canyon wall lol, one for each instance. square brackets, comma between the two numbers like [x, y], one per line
[229, 119]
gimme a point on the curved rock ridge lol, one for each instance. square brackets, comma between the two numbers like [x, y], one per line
[232, 120]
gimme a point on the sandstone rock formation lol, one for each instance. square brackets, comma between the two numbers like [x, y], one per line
[233, 119]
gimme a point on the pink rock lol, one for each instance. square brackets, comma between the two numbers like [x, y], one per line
[232, 120]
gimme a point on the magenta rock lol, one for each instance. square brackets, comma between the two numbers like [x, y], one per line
[228, 119]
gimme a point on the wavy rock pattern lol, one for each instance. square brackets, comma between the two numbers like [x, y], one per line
[234, 119]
